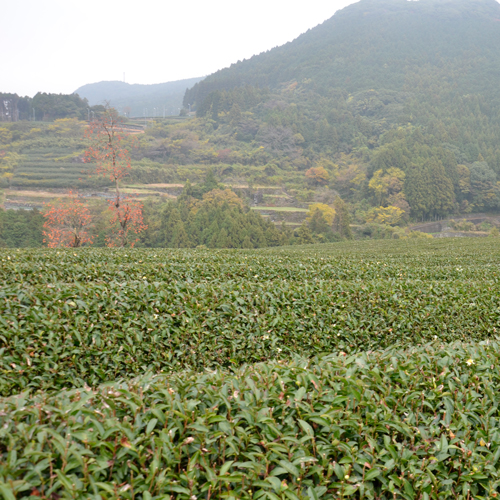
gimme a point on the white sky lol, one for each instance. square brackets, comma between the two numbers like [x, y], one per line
[59, 45]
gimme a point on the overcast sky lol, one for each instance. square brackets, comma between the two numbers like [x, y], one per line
[60, 45]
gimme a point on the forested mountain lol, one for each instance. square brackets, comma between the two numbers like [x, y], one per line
[134, 99]
[396, 45]
[390, 107]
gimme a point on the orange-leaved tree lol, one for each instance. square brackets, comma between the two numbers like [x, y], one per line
[126, 220]
[67, 222]
[112, 161]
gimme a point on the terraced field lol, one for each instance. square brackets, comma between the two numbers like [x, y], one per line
[362, 370]
[50, 164]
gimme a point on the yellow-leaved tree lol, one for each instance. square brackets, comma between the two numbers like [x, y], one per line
[385, 215]
[8, 164]
[387, 183]
[327, 212]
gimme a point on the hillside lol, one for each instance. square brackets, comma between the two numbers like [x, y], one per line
[385, 93]
[133, 99]
[380, 64]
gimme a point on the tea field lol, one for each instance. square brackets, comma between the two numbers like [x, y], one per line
[353, 370]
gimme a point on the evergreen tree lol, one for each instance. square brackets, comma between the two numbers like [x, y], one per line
[483, 183]
[21, 228]
[428, 190]
[211, 234]
[173, 222]
[180, 238]
[342, 220]
[304, 236]
[246, 242]
[415, 189]
[258, 238]
[286, 234]
[222, 240]
[318, 224]
[440, 189]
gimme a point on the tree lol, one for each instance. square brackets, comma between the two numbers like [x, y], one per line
[483, 182]
[428, 190]
[106, 149]
[218, 197]
[246, 242]
[342, 221]
[326, 211]
[387, 183]
[278, 139]
[21, 228]
[180, 238]
[385, 215]
[8, 164]
[5, 135]
[304, 236]
[318, 175]
[113, 162]
[67, 222]
[318, 224]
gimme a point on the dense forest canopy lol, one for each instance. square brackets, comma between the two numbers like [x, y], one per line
[385, 84]
[379, 64]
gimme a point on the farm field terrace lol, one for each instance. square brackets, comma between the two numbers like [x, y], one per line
[361, 369]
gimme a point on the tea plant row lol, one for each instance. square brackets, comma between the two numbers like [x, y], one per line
[416, 423]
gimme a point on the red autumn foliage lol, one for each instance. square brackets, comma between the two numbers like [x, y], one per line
[68, 220]
[126, 221]
[66, 223]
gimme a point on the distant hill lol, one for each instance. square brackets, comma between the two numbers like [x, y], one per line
[134, 99]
